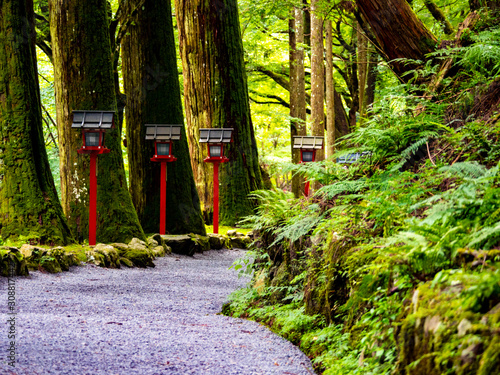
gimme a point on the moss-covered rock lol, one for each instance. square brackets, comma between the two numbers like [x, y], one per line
[138, 254]
[240, 242]
[110, 255]
[182, 244]
[217, 241]
[50, 260]
[202, 242]
[12, 262]
[126, 262]
[158, 251]
[64, 258]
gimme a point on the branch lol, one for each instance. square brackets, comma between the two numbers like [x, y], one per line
[439, 16]
[45, 48]
[279, 79]
[125, 25]
[48, 126]
[278, 100]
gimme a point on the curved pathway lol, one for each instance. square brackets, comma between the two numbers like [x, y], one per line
[159, 320]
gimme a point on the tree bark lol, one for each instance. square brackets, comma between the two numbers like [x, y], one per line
[371, 80]
[216, 95]
[297, 91]
[317, 76]
[29, 205]
[353, 80]
[330, 90]
[362, 71]
[439, 16]
[398, 31]
[84, 81]
[341, 123]
[153, 97]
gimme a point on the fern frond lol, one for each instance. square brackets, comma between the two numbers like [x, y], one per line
[330, 191]
[465, 169]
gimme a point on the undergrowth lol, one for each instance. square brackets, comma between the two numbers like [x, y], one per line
[392, 265]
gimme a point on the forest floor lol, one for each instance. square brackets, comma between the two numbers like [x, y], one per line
[161, 320]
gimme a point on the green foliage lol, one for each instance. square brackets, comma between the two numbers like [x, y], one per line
[273, 208]
[483, 55]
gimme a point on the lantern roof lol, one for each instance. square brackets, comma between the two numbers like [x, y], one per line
[308, 142]
[93, 119]
[216, 135]
[161, 132]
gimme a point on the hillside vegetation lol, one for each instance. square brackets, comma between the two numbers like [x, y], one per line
[392, 266]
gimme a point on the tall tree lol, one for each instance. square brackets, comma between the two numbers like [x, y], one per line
[297, 89]
[216, 95]
[330, 90]
[29, 205]
[398, 31]
[317, 75]
[84, 81]
[153, 96]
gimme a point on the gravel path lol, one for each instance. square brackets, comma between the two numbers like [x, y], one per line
[160, 320]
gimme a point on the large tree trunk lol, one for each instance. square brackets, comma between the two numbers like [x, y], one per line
[317, 76]
[297, 91]
[398, 31]
[330, 91]
[216, 95]
[362, 71]
[84, 81]
[29, 205]
[153, 96]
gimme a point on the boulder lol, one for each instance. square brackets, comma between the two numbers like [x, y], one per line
[158, 251]
[136, 252]
[50, 260]
[217, 241]
[156, 240]
[202, 242]
[12, 262]
[126, 262]
[242, 242]
[181, 244]
[111, 258]
[65, 259]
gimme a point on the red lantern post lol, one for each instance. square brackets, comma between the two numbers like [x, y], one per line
[215, 139]
[93, 125]
[163, 135]
[308, 147]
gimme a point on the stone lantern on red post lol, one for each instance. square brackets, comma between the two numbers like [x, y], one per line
[93, 124]
[215, 139]
[308, 145]
[163, 135]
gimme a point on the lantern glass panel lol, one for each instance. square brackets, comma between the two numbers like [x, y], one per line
[215, 151]
[163, 149]
[307, 156]
[92, 139]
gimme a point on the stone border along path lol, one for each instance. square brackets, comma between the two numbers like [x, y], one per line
[160, 320]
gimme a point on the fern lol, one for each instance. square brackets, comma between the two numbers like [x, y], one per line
[465, 169]
[298, 226]
[340, 187]
[486, 238]
[484, 54]
[274, 206]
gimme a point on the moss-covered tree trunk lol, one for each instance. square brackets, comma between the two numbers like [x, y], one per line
[329, 93]
[84, 81]
[399, 32]
[29, 205]
[153, 96]
[215, 92]
[317, 76]
[297, 90]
